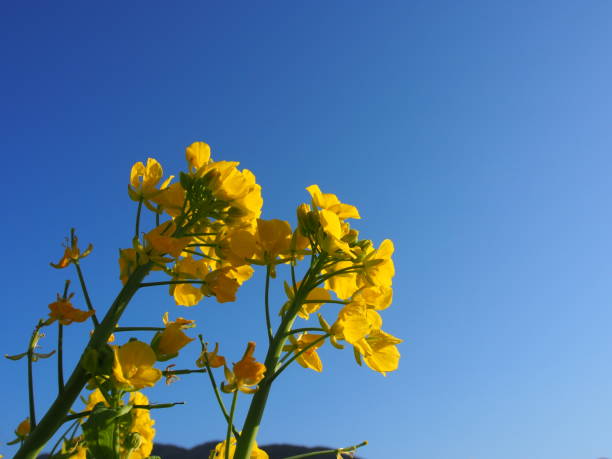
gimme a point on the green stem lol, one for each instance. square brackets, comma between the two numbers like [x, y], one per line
[230, 424]
[154, 284]
[64, 435]
[216, 389]
[60, 357]
[326, 301]
[31, 389]
[182, 372]
[54, 417]
[305, 329]
[348, 449]
[94, 318]
[260, 398]
[138, 212]
[267, 303]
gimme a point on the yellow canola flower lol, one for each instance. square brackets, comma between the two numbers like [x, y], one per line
[378, 297]
[214, 359]
[235, 246]
[170, 199]
[197, 155]
[72, 253]
[219, 451]
[379, 351]
[273, 238]
[170, 341]
[223, 283]
[309, 358]
[356, 321]
[63, 311]
[331, 202]
[246, 373]
[238, 188]
[344, 285]
[133, 366]
[143, 179]
[142, 424]
[162, 241]
[379, 268]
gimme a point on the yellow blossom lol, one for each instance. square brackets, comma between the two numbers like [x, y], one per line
[143, 179]
[72, 253]
[162, 241]
[379, 351]
[167, 343]
[197, 154]
[133, 366]
[214, 359]
[63, 311]
[246, 373]
[309, 358]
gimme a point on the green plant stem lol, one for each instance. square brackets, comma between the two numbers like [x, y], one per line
[60, 357]
[211, 377]
[94, 318]
[31, 389]
[348, 449]
[138, 212]
[230, 424]
[54, 417]
[305, 329]
[326, 301]
[260, 398]
[267, 303]
[154, 284]
[182, 372]
[64, 435]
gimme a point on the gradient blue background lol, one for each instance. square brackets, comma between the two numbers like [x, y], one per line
[474, 134]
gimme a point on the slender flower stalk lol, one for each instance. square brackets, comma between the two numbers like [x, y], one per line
[94, 318]
[339, 451]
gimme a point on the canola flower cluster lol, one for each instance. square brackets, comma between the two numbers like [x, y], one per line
[209, 243]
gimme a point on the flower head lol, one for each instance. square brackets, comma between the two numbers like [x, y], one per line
[63, 311]
[133, 366]
[246, 373]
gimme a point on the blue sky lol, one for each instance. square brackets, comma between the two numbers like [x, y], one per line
[476, 135]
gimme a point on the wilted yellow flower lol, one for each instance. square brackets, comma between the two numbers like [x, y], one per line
[246, 373]
[214, 359]
[133, 365]
[63, 311]
[72, 253]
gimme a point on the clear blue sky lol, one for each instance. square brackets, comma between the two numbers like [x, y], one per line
[474, 134]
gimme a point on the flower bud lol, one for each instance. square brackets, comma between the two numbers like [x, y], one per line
[133, 441]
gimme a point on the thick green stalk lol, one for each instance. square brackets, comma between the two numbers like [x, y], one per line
[258, 404]
[56, 414]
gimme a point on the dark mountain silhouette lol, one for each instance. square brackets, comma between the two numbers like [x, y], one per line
[202, 451]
